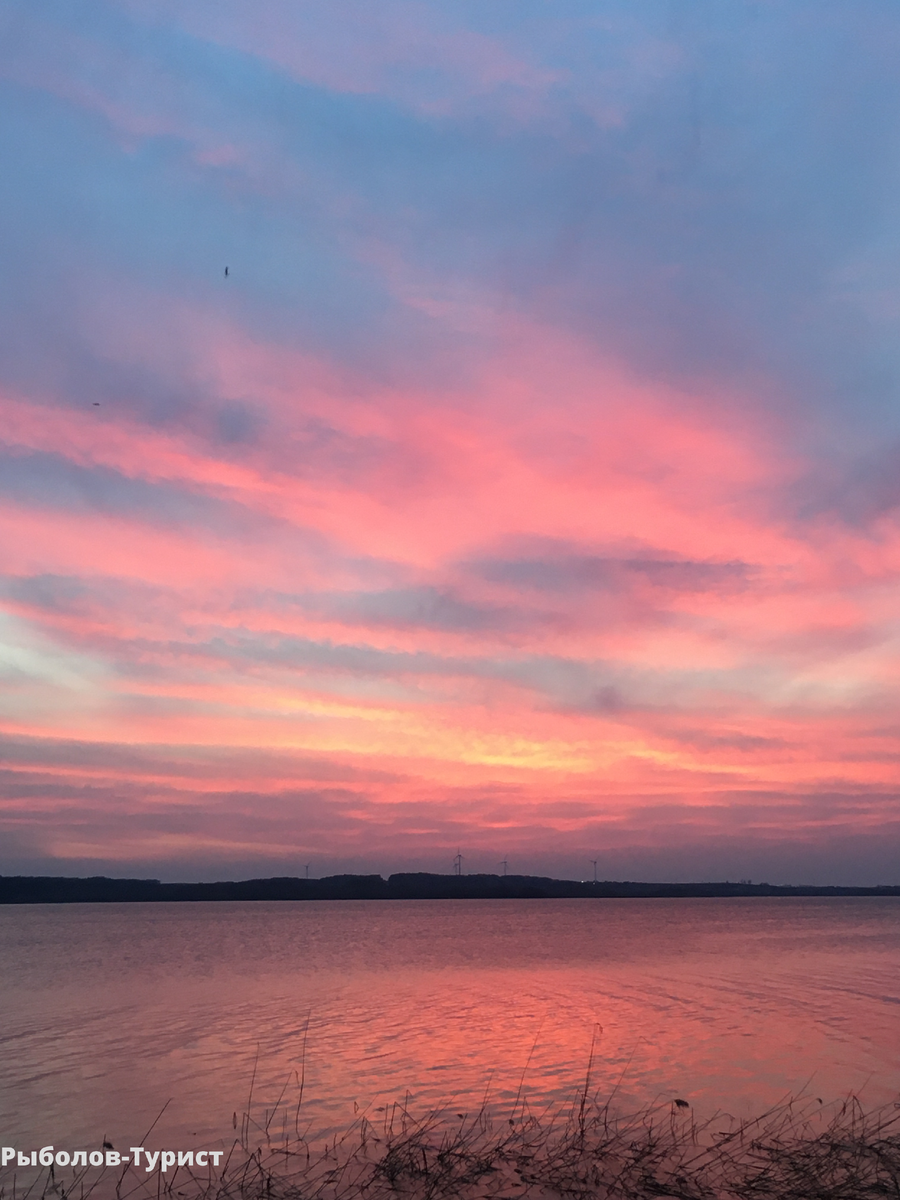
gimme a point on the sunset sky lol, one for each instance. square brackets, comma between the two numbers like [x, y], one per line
[530, 486]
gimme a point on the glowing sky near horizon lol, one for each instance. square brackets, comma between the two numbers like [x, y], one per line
[531, 484]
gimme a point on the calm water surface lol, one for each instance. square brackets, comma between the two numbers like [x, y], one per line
[109, 1011]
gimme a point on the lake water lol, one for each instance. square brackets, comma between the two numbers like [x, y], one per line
[109, 1011]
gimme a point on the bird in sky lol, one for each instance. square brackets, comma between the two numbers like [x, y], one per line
[226, 272]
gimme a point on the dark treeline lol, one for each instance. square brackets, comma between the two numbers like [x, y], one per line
[35, 889]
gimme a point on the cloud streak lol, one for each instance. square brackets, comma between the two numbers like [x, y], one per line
[529, 484]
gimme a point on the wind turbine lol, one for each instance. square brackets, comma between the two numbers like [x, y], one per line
[457, 864]
[594, 861]
[504, 865]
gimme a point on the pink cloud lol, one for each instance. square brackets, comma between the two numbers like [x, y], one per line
[371, 50]
[583, 699]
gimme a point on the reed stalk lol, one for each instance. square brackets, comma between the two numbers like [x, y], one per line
[797, 1150]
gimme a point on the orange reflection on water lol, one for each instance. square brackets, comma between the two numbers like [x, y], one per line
[115, 1011]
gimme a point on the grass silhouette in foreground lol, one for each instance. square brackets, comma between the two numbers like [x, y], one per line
[795, 1151]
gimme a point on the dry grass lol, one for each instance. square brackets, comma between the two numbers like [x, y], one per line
[795, 1151]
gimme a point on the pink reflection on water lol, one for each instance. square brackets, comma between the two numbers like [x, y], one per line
[114, 1012]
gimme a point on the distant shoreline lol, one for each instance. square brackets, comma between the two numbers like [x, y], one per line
[37, 889]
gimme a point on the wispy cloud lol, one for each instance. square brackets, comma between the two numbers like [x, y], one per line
[530, 480]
